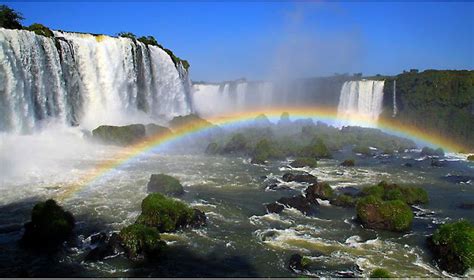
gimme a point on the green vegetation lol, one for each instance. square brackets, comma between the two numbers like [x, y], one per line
[50, 225]
[40, 29]
[436, 101]
[119, 135]
[303, 162]
[139, 240]
[344, 200]
[317, 149]
[166, 214]
[263, 151]
[408, 194]
[148, 40]
[238, 143]
[129, 35]
[394, 215]
[470, 157]
[380, 273]
[453, 246]
[10, 18]
[164, 184]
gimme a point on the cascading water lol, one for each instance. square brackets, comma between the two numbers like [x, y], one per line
[87, 80]
[361, 99]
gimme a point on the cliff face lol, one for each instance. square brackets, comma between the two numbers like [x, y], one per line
[438, 101]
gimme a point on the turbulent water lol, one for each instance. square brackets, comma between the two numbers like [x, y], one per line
[361, 99]
[87, 80]
[241, 239]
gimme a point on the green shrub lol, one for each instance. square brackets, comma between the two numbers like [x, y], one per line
[394, 215]
[380, 273]
[409, 194]
[139, 240]
[148, 40]
[455, 246]
[166, 214]
[129, 35]
[304, 161]
[10, 18]
[317, 149]
[40, 29]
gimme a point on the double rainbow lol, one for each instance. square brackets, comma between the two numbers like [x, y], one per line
[149, 145]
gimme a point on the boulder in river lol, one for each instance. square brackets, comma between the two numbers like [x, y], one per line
[319, 190]
[49, 227]
[392, 215]
[119, 135]
[344, 200]
[164, 184]
[140, 241]
[348, 163]
[298, 263]
[298, 202]
[152, 130]
[274, 207]
[304, 162]
[452, 246]
[300, 178]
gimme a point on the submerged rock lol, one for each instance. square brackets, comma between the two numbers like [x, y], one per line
[274, 207]
[105, 247]
[437, 163]
[458, 179]
[49, 227]
[466, 205]
[301, 178]
[452, 245]
[164, 184]
[119, 135]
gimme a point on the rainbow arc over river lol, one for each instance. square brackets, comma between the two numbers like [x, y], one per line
[329, 115]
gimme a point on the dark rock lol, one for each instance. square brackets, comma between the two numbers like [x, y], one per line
[437, 163]
[49, 227]
[274, 207]
[298, 202]
[164, 184]
[98, 237]
[319, 190]
[107, 247]
[119, 135]
[297, 263]
[348, 163]
[427, 151]
[199, 219]
[303, 162]
[278, 187]
[350, 191]
[301, 178]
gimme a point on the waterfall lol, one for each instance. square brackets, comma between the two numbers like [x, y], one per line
[395, 108]
[361, 99]
[86, 80]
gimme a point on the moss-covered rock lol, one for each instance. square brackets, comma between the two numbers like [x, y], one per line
[263, 151]
[393, 215]
[152, 130]
[300, 178]
[303, 162]
[166, 214]
[119, 135]
[470, 157]
[237, 144]
[164, 184]
[452, 245]
[40, 29]
[409, 194]
[140, 241]
[380, 273]
[187, 122]
[50, 225]
[319, 190]
[298, 263]
[344, 200]
[348, 163]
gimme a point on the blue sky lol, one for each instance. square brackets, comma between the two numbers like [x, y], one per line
[224, 41]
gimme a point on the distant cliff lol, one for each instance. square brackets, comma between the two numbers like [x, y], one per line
[441, 101]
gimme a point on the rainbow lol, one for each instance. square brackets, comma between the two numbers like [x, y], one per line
[149, 145]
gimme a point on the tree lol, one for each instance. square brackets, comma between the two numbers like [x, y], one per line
[127, 35]
[10, 18]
